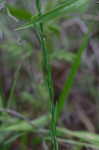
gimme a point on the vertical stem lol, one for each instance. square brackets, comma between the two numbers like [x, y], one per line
[48, 78]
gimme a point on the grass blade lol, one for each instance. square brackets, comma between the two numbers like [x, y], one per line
[21, 14]
[69, 82]
[63, 9]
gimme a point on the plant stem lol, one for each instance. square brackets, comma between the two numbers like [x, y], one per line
[48, 78]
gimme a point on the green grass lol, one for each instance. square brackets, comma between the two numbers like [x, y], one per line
[55, 134]
[47, 75]
[71, 77]
[64, 9]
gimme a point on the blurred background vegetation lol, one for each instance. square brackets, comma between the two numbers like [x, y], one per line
[23, 94]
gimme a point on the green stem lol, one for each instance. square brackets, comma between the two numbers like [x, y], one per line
[48, 78]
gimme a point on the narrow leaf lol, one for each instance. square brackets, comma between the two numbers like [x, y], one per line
[21, 14]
